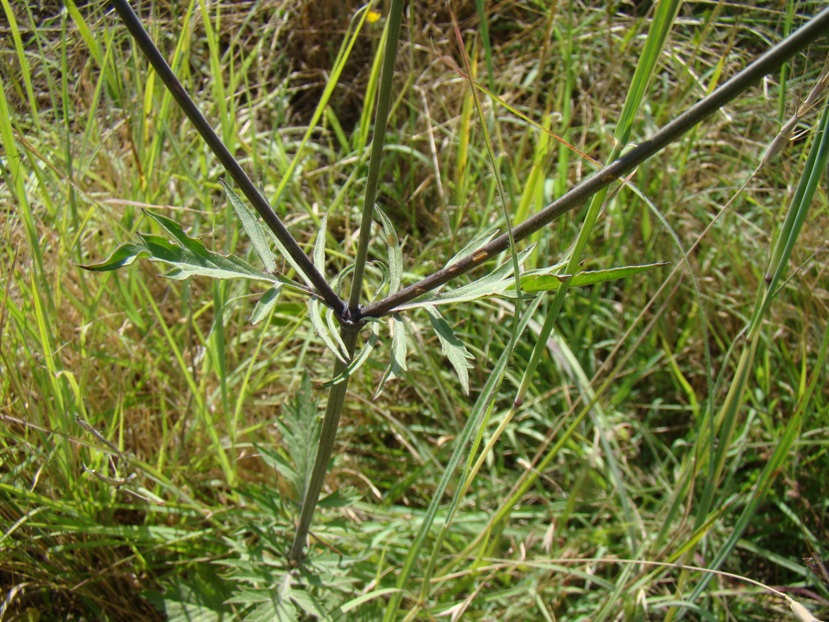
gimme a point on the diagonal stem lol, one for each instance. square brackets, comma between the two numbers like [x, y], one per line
[231, 165]
[730, 90]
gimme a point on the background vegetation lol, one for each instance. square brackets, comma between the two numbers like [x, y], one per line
[151, 435]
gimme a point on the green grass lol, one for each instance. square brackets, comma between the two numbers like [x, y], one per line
[676, 417]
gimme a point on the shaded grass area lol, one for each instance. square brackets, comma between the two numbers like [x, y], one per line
[139, 443]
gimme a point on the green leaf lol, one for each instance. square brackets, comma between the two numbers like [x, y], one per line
[358, 360]
[265, 304]
[452, 347]
[315, 309]
[319, 246]
[195, 260]
[551, 282]
[283, 252]
[300, 430]
[254, 230]
[394, 250]
[200, 599]
[187, 256]
[175, 230]
[333, 323]
[361, 600]
[382, 285]
[499, 281]
[473, 246]
[279, 463]
[397, 365]
[122, 256]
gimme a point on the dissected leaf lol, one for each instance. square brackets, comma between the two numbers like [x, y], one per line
[382, 286]
[176, 231]
[122, 256]
[397, 365]
[283, 252]
[334, 329]
[340, 498]
[199, 599]
[187, 256]
[307, 603]
[500, 282]
[338, 279]
[319, 246]
[250, 222]
[300, 430]
[452, 347]
[551, 282]
[263, 605]
[281, 464]
[395, 252]
[195, 259]
[473, 246]
[265, 304]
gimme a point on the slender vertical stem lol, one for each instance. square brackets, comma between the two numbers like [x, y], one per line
[231, 165]
[330, 422]
[377, 143]
[349, 331]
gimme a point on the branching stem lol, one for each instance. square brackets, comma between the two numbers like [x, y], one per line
[351, 313]
[730, 90]
[231, 165]
[349, 331]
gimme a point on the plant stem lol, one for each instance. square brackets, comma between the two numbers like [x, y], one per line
[231, 165]
[330, 422]
[380, 122]
[731, 89]
[349, 331]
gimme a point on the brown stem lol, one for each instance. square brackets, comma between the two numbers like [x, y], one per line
[765, 64]
[231, 165]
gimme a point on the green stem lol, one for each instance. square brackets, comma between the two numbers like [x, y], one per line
[380, 122]
[330, 422]
[349, 331]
